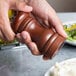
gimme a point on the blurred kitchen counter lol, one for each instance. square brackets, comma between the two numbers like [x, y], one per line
[19, 61]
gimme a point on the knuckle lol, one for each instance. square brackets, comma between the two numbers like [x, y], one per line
[25, 32]
[10, 38]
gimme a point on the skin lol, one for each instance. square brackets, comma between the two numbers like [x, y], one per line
[41, 10]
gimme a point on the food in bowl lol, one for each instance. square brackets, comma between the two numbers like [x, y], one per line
[65, 68]
[71, 31]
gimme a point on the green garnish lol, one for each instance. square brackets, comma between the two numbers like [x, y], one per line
[71, 32]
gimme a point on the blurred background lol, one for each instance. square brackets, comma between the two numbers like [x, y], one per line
[63, 5]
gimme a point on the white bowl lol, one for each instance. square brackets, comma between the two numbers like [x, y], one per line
[73, 60]
[68, 41]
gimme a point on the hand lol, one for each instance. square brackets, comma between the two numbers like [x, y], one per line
[42, 11]
[6, 32]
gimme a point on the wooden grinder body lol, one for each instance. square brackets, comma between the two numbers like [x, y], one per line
[48, 41]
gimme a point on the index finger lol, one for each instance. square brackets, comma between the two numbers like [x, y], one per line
[5, 23]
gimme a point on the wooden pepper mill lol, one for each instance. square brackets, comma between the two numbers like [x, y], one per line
[48, 41]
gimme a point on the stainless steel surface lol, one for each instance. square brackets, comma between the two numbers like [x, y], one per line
[20, 62]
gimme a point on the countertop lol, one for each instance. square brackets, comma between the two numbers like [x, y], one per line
[19, 61]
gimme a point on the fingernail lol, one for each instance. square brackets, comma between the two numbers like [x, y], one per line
[28, 8]
[65, 34]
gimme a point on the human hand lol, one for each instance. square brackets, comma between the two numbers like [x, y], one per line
[45, 13]
[42, 10]
[6, 33]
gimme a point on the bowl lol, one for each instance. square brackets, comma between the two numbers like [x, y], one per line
[70, 29]
[64, 68]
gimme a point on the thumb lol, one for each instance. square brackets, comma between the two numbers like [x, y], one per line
[55, 21]
[21, 6]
